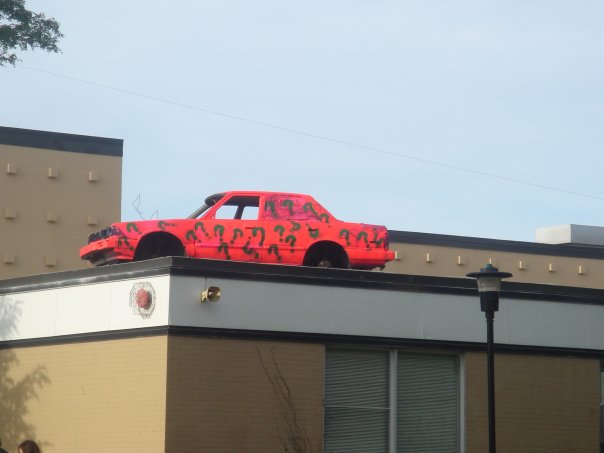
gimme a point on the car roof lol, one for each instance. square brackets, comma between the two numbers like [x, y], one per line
[255, 192]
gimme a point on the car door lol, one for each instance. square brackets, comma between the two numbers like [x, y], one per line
[233, 230]
[289, 228]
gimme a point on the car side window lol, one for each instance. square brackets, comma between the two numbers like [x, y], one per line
[239, 208]
[250, 213]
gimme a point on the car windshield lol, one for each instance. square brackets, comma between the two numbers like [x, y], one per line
[209, 202]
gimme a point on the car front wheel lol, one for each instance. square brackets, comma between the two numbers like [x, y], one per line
[158, 245]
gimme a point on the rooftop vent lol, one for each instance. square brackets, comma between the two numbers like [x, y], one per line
[571, 234]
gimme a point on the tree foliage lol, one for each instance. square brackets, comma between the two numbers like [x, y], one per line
[23, 29]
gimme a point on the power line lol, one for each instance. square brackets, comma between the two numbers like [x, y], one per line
[315, 136]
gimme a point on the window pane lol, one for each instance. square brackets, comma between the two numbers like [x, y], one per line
[356, 378]
[356, 430]
[427, 404]
[356, 401]
[250, 213]
[226, 212]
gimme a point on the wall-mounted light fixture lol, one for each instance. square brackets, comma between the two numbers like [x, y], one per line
[211, 293]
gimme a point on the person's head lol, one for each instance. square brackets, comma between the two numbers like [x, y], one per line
[29, 446]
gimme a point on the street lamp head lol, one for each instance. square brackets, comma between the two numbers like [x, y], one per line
[489, 278]
[489, 286]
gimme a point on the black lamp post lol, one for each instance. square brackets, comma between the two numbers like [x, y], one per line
[489, 286]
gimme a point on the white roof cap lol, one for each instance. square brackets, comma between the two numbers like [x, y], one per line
[571, 234]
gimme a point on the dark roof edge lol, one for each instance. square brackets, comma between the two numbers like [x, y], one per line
[499, 245]
[327, 339]
[191, 267]
[61, 142]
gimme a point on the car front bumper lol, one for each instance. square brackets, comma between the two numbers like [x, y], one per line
[107, 251]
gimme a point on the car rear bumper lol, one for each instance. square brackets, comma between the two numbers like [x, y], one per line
[369, 259]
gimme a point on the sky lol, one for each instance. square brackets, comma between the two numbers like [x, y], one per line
[468, 118]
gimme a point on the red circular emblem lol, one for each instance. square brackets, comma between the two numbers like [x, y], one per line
[143, 298]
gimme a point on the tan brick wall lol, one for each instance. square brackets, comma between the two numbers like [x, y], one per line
[220, 399]
[543, 404]
[88, 397]
[48, 218]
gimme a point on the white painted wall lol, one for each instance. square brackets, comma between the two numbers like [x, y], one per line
[374, 312]
[289, 307]
[88, 308]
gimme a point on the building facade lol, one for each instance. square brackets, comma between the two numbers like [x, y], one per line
[293, 359]
[132, 358]
[569, 262]
[56, 190]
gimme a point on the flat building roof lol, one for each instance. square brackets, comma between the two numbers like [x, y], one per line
[61, 142]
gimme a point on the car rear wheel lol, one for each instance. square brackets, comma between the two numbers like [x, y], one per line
[326, 254]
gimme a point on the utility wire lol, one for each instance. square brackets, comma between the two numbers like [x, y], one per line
[315, 136]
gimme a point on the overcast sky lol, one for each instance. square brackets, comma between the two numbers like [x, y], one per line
[387, 112]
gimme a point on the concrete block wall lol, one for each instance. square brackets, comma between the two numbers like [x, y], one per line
[427, 259]
[94, 396]
[51, 201]
[229, 395]
[543, 404]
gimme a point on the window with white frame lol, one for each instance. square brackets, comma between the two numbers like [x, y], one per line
[391, 401]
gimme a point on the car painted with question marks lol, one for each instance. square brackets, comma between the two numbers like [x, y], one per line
[263, 227]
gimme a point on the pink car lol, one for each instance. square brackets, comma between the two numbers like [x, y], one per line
[263, 227]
